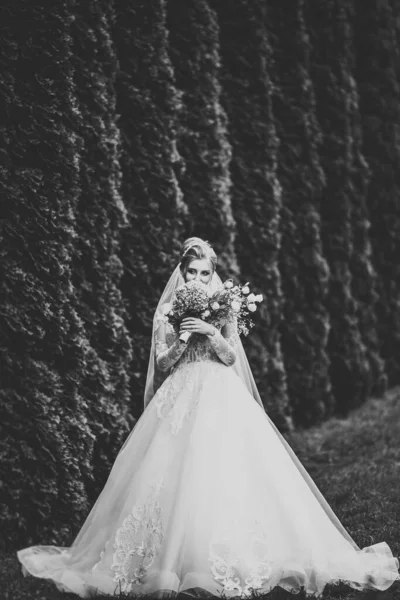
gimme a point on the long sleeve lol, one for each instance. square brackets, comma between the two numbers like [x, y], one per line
[224, 344]
[167, 356]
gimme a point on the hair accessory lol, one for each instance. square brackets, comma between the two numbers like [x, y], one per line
[203, 244]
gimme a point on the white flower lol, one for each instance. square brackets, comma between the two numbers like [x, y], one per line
[166, 309]
[245, 290]
[193, 283]
[252, 307]
[235, 305]
[206, 314]
[251, 298]
[259, 298]
[215, 305]
[228, 284]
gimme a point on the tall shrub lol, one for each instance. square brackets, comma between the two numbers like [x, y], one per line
[101, 218]
[147, 104]
[305, 324]
[202, 129]
[364, 274]
[256, 192]
[45, 440]
[377, 71]
[350, 370]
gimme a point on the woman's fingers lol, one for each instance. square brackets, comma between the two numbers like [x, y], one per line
[191, 324]
[188, 326]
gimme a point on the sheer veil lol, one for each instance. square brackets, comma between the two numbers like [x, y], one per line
[155, 376]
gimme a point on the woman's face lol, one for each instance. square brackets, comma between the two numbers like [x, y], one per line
[199, 269]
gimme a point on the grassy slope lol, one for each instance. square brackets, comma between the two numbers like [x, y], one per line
[355, 463]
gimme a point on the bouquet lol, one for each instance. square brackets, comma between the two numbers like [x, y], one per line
[231, 303]
[234, 303]
[190, 300]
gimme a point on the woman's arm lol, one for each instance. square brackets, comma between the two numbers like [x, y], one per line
[224, 343]
[166, 356]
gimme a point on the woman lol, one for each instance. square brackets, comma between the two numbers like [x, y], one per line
[205, 494]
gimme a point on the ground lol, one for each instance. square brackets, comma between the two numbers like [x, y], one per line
[356, 464]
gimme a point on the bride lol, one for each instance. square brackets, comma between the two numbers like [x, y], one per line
[205, 492]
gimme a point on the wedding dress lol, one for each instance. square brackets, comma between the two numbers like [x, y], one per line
[205, 493]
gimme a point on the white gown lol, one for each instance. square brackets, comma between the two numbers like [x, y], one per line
[204, 494]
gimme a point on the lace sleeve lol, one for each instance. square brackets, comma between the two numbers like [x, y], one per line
[167, 356]
[224, 344]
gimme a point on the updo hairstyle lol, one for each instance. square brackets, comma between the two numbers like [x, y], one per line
[195, 248]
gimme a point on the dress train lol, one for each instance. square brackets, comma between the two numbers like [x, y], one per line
[205, 493]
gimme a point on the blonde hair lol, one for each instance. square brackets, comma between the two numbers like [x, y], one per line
[195, 248]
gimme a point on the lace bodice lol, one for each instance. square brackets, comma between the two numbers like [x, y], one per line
[198, 348]
[170, 352]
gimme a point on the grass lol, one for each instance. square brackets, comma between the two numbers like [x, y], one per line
[356, 464]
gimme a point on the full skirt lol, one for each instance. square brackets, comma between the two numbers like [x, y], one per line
[206, 493]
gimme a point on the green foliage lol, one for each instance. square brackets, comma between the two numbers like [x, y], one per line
[305, 324]
[256, 193]
[364, 276]
[46, 443]
[202, 131]
[350, 369]
[147, 104]
[377, 71]
[100, 218]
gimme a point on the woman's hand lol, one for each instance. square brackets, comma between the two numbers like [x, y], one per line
[194, 325]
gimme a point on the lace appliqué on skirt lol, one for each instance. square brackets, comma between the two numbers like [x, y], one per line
[137, 541]
[178, 398]
[245, 573]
